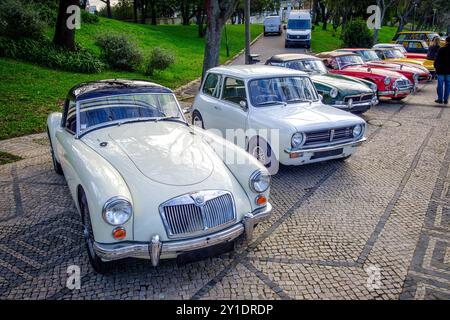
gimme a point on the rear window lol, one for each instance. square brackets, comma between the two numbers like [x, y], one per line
[272, 20]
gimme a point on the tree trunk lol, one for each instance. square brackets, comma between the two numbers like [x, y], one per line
[64, 36]
[108, 7]
[143, 11]
[135, 11]
[217, 12]
[153, 12]
[185, 12]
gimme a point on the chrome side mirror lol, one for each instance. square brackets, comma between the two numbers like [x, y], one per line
[243, 105]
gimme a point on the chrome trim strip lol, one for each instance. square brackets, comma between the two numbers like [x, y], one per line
[328, 148]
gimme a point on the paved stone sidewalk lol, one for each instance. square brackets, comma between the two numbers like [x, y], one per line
[334, 226]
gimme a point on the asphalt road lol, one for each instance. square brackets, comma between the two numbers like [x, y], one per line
[267, 46]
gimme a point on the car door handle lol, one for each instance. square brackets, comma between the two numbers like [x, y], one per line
[217, 108]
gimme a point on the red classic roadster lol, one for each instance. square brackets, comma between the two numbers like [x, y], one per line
[390, 84]
[412, 72]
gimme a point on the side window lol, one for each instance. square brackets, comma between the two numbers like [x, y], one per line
[212, 85]
[401, 37]
[234, 90]
[71, 118]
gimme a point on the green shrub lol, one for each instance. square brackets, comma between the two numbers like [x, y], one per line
[44, 53]
[119, 52]
[357, 35]
[159, 59]
[87, 17]
[20, 20]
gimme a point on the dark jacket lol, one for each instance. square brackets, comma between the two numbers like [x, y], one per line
[442, 61]
[432, 52]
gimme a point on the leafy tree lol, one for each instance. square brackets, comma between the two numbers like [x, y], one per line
[357, 35]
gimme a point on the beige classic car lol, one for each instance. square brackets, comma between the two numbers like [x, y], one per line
[145, 182]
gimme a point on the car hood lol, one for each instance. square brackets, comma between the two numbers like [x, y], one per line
[394, 66]
[318, 116]
[341, 83]
[375, 71]
[165, 152]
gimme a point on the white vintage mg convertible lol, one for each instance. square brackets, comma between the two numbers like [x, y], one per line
[146, 183]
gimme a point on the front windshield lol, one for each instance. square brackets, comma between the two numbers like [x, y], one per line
[393, 54]
[127, 107]
[271, 91]
[432, 35]
[299, 24]
[310, 66]
[345, 61]
[369, 55]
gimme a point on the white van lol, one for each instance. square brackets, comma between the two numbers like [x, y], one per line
[298, 29]
[272, 24]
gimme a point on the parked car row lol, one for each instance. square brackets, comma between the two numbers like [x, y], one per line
[148, 184]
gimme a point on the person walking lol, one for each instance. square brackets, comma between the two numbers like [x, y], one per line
[442, 66]
[434, 48]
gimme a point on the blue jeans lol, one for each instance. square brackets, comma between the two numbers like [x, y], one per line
[443, 81]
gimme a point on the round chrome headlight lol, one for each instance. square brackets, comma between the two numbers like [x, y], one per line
[297, 140]
[259, 181]
[334, 93]
[357, 130]
[374, 87]
[387, 80]
[117, 211]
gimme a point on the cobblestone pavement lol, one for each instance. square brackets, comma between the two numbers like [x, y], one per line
[334, 226]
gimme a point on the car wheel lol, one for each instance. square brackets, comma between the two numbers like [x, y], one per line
[56, 165]
[88, 235]
[197, 119]
[261, 150]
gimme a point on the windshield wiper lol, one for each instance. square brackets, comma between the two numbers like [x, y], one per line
[270, 102]
[298, 100]
[174, 119]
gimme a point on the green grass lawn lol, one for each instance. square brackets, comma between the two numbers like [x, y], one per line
[324, 40]
[29, 92]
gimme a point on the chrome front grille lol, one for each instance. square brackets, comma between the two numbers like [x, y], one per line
[359, 98]
[402, 84]
[198, 213]
[328, 136]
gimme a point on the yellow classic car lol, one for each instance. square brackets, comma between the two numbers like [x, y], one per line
[396, 56]
[416, 35]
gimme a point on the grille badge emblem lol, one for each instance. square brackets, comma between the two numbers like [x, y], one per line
[199, 199]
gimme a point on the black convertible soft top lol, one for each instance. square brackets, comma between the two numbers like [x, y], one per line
[95, 89]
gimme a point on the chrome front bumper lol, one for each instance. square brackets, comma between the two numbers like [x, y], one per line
[356, 106]
[328, 148]
[156, 249]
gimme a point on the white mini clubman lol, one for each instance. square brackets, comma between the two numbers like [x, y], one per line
[259, 98]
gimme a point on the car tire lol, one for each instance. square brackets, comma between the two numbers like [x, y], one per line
[262, 151]
[197, 119]
[56, 165]
[96, 263]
